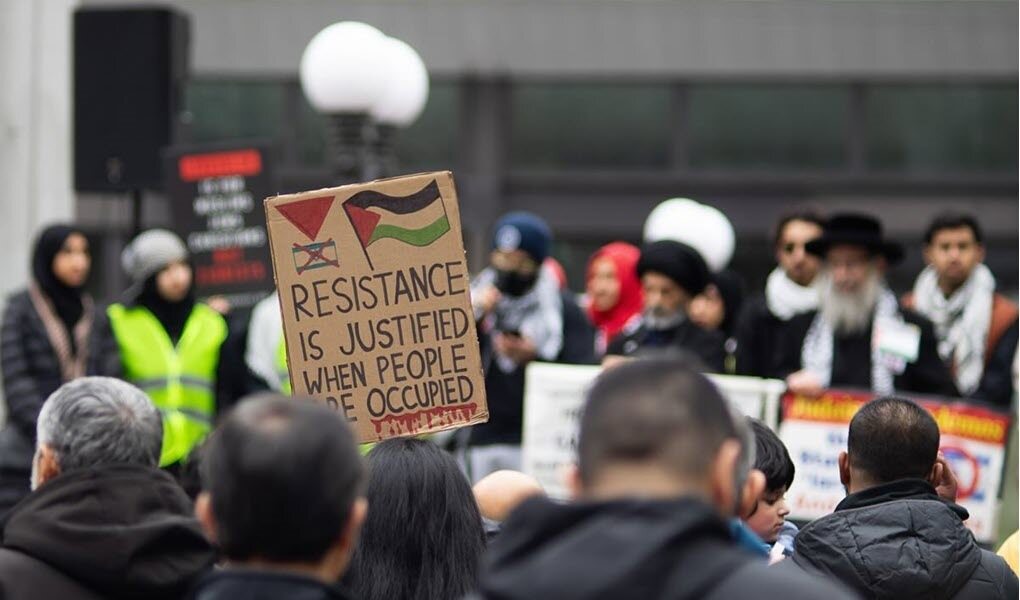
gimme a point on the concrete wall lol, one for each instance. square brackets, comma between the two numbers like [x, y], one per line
[35, 127]
[613, 38]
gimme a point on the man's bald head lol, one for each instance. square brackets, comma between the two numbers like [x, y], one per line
[499, 493]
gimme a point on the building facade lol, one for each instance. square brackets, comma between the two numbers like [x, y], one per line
[589, 112]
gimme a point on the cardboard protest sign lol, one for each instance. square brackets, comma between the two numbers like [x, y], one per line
[554, 395]
[815, 431]
[214, 192]
[377, 316]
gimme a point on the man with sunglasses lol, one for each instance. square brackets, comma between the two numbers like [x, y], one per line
[791, 289]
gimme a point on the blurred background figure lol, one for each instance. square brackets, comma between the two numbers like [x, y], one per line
[423, 538]
[265, 354]
[717, 309]
[165, 342]
[672, 274]
[519, 312]
[976, 327]
[578, 332]
[44, 342]
[613, 292]
[711, 234]
[791, 288]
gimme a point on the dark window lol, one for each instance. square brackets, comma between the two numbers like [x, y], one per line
[231, 110]
[430, 143]
[748, 126]
[590, 125]
[225, 109]
[942, 127]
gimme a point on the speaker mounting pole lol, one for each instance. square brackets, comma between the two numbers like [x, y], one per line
[136, 211]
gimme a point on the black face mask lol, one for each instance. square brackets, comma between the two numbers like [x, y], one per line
[513, 283]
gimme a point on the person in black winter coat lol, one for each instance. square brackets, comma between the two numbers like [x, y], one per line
[661, 467]
[896, 535]
[791, 288]
[44, 339]
[102, 521]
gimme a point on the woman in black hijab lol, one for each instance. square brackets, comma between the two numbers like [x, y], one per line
[43, 344]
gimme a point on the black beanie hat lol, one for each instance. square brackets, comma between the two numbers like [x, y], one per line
[675, 260]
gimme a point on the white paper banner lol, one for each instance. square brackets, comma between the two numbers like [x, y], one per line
[554, 396]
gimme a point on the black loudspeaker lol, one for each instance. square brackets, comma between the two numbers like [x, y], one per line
[130, 66]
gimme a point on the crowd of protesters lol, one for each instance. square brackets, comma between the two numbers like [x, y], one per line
[200, 478]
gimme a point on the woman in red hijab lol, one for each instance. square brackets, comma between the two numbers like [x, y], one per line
[614, 291]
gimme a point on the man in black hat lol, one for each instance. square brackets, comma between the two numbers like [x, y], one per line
[860, 337]
[671, 274]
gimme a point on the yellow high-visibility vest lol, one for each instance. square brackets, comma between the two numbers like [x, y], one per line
[181, 379]
[281, 366]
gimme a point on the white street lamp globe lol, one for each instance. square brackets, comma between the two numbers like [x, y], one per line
[700, 226]
[343, 69]
[407, 85]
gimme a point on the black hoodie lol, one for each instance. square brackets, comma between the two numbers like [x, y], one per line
[900, 540]
[119, 531]
[677, 549]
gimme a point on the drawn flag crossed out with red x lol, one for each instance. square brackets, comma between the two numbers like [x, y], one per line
[308, 216]
[315, 256]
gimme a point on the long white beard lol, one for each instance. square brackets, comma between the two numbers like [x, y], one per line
[657, 320]
[850, 313]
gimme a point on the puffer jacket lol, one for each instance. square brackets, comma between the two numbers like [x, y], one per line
[30, 373]
[901, 541]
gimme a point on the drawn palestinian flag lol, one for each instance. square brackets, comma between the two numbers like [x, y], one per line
[418, 219]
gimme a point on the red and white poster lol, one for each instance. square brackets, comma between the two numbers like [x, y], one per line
[815, 430]
[216, 194]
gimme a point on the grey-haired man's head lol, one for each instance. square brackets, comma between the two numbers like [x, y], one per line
[95, 421]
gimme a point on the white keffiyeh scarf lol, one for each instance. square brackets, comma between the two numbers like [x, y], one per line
[817, 351]
[961, 321]
[786, 298]
[538, 315]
